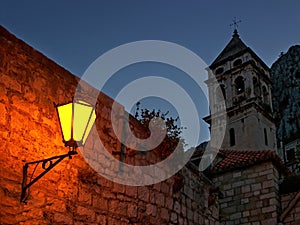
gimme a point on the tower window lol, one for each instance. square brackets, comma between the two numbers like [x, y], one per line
[232, 137]
[290, 154]
[222, 86]
[239, 85]
[219, 70]
[266, 136]
[237, 62]
[256, 87]
[265, 95]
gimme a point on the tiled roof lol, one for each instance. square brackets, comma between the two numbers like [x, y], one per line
[235, 46]
[236, 159]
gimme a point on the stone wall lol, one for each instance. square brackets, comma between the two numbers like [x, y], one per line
[73, 193]
[290, 208]
[251, 195]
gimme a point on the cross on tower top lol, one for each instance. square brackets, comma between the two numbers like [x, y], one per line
[235, 24]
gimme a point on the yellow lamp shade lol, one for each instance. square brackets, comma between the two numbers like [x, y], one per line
[76, 120]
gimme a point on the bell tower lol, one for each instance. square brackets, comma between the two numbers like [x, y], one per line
[245, 84]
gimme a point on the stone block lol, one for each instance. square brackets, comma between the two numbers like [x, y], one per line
[246, 213]
[11, 83]
[3, 114]
[223, 205]
[84, 211]
[3, 93]
[230, 210]
[268, 195]
[174, 218]
[164, 213]
[235, 216]
[256, 223]
[190, 214]
[297, 216]
[269, 209]
[256, 187]
[229, 193]
[227, 199]
[266, 172]
[188, 191]
[237, 174]
[237, 184]
[270, 221]
[85, 196]
[19, 121]
[119, 208]
[169, 202]
[62, 218]
[56, 205]
[143, 193]
[99, 203]
[245, 189]
[177, 207]
[188, 203]
[159, 199]
[132, 209]
[244, 200]
[253, 175]
[131, 191]
[151, 210]
[165, 188]
[255, 211]
[289, 218]
[268, 183]
[183, 210]
[227, 187]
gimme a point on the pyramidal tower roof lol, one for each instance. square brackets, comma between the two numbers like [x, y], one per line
[235, 46]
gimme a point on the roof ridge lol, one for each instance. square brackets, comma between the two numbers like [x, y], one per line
[234, 46]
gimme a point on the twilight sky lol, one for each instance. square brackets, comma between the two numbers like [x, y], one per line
[75, 33]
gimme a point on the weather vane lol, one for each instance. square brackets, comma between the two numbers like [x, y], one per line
[235, 23]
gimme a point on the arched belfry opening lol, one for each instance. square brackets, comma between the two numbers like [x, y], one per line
[256, 87]
[239, 85]
[265, 95]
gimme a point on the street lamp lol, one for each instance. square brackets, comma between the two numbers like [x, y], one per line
[76, 120]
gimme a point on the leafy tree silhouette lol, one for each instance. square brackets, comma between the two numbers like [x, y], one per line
[161, 121]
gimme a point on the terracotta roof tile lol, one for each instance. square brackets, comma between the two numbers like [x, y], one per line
[235, 159]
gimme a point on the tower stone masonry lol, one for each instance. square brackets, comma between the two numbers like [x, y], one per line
[244, 83]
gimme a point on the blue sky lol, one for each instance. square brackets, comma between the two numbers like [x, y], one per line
[75, 33]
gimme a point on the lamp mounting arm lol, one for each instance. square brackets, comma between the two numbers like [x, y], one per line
[46, 164]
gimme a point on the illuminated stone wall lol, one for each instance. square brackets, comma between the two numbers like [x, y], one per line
[73, 193]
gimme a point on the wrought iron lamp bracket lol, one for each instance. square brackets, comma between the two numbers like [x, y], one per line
[46, 165]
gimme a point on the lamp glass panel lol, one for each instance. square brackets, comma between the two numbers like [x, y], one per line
[82, 114]
[65, 118]
[89, 126]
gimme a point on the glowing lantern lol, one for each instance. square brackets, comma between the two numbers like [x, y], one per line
[76, 120]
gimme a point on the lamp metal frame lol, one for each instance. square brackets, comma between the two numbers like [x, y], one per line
[46, 165]
[50, 163]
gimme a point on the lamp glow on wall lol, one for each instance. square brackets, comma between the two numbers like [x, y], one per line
[76, 120]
